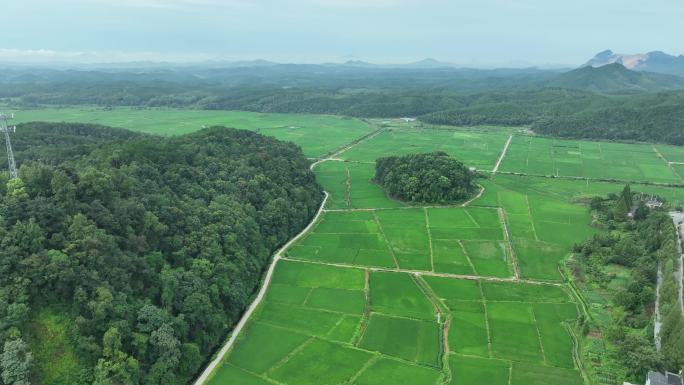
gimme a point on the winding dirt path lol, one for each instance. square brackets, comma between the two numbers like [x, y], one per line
[277, 257]
[427, 273]
[503, 154]
[260, 296]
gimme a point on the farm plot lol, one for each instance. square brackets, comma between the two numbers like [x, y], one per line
[479, 149]
[328, 325]
[386, 371]
[468, 241]
[543, 223]
[671, 153]
[472, 370]
[318, 135]
[596, 160]
[350, 237]
[679, 169]
[564, 191]
[350, 186]
[509, 321]
[374, 296]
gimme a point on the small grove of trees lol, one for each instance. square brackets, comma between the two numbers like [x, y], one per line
[432, 178]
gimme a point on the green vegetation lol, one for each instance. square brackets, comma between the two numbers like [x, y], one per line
[377, 291]
[303, 130]
[409, 339]
[349, 186]
[386, 371]
[425, 178]
[573, 114]
[55, 359]
[128, 257]
[472, 370]
[595, 160]
[616, 270]
[479, 148]
[521, 98]
[449, 240]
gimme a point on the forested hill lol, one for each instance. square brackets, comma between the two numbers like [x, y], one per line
[128, 263]
[615, 78]
[53, 143]
[652, 117]
[610, 102]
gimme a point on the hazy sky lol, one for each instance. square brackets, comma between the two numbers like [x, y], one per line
[476, 32]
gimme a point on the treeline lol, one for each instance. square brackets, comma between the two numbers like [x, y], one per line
[437, 96]
[577, 114]
[151, 246]
[635, 240]
[425, 178]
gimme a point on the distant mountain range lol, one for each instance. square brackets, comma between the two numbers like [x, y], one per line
[607, 73]
[614, 78]
[655, 61]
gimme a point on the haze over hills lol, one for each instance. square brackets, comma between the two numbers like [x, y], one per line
[654, 61]
[615, 78]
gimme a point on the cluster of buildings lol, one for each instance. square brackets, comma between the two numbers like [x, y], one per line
[657, 378]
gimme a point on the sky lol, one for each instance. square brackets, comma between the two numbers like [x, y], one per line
[477, 33]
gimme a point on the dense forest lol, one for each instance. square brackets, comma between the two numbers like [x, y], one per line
[149, 247]
[426, 178]
[607, 103]
[621, 264]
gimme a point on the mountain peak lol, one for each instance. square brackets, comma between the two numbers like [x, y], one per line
[615, 78]
[654, 61]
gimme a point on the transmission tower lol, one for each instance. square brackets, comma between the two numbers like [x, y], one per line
[6, 128]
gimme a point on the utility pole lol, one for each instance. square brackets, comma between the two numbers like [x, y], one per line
[6, 128]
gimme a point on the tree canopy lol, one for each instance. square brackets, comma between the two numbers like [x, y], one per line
[152, 245]
[634, 246]
[429, 178]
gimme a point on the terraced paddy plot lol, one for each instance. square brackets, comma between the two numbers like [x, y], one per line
[386, 371]
[527, 374]
[319, 363]
[258, 342]
[671, 153]
[449, 240]
[468, 241]
[598, 160]
[473, 370]
[407, 236]
[565, 192]
[679, 169]
[318, 135]
[543, 223]
[398, 294]
[353, 238]
[311, 325]
[350, 186]
[514, 333]
[409, 339]
[523, 322]
[479, 149]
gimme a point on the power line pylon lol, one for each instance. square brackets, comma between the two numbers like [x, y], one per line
[6, 128]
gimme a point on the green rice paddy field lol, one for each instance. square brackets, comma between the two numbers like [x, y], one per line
[599, 160]
[318, 135]
[324, 324]
[379, 292]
